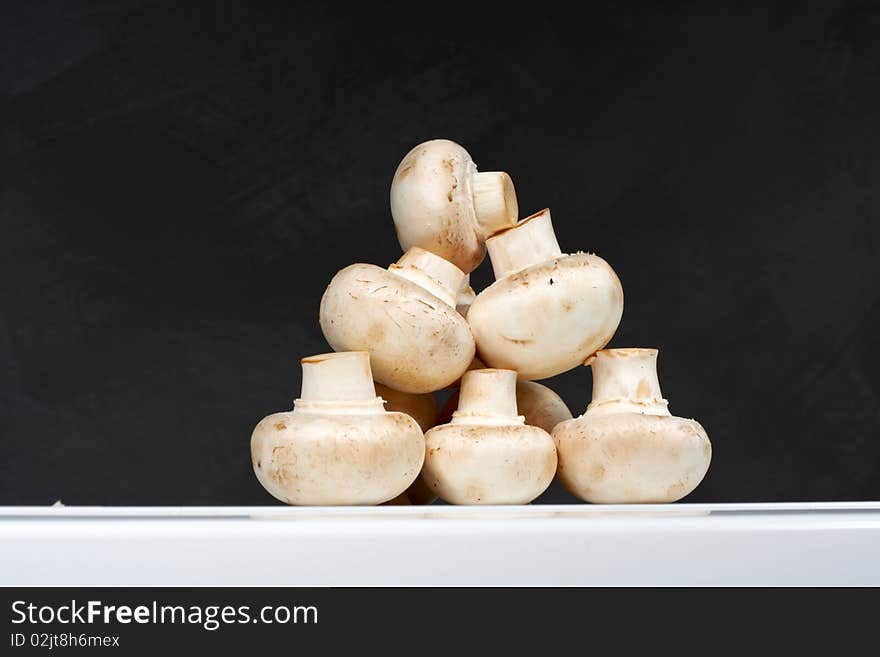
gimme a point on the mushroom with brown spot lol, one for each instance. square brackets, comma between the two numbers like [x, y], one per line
[627, 448]
[338, 445]
[440, 202]
[546, 312]
[405, 317]
[487, 454]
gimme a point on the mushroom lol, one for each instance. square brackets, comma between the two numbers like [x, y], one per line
[546, 312]
[440, 202]
[538, 404]
[404, 317]
[627, 447]
[487, 454]
[338, 445]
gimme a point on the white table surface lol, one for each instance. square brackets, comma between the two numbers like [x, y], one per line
[681, 544]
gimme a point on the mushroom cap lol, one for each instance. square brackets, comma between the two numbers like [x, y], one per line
[548, 318]
[486, 464]
[432, 203]
[417, 342]
[326, 459]
[630, 458]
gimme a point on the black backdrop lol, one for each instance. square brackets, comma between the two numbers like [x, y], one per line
[180, 180]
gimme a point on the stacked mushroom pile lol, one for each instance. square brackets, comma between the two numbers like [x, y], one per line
[417, 327]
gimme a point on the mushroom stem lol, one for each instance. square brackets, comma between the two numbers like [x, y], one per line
[625, 381]
[342, 380]
[530, 242]
[431, 272]
[495, 204]
[487, 397]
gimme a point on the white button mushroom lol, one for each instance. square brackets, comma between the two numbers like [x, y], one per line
[487, 455]
[440, 202]
[627, 447]
[546, 312]
[338, 445]
[404, 317]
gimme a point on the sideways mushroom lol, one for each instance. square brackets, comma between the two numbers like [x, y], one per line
[627, 448]
[487, 454]
[338, 445]
[405, 317]
[441, 203]
[546, 312]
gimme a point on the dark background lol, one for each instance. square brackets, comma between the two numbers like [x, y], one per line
[179, 181]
